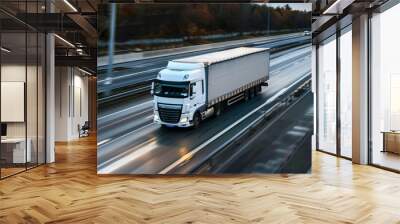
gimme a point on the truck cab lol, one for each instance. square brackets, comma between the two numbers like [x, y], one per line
[192, 89]
[179, 94]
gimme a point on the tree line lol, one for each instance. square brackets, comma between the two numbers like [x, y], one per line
[146, 21]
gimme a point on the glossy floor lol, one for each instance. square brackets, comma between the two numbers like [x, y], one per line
[70, 191]
[387, 159]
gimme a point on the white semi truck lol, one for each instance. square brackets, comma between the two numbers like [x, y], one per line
[192, 89]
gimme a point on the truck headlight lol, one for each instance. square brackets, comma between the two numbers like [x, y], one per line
[156, 118]
[186, 108]
[184, 120]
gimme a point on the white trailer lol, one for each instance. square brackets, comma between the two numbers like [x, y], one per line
[191, 89]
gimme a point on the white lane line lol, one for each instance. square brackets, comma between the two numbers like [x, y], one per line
[285, 66]
[127, 117]
[128, 75]
[291, 55]
[129, 133]
[123, 159]
[102, 142]
[126, 109]
[200, 147]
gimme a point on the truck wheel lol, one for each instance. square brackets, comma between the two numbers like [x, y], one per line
[246, 95]
[218, 109]
[196, 120]
[258, 88]
[251, 93]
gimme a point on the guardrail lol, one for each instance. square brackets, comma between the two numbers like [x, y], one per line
[288, 97]
[145, 55]
[296, 156]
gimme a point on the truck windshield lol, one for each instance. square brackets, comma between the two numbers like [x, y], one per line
[171, 89]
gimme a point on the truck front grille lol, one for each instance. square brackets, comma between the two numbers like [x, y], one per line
[169, 113]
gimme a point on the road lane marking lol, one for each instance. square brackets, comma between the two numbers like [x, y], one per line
[200, 147]
[128, 75]
[126, 109]
[131, 132]
[268, 40]
[284, 66]
[104, 141]
[118, 162]
[127, 117]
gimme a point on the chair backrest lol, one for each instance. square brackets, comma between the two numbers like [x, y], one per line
[86, 125]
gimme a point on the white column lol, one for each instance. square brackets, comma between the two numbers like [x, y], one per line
[50, 92]
[63, 99]
[50, 99]
[360, 90]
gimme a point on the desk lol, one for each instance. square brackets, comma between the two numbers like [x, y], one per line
[15, 148]
[391, 141]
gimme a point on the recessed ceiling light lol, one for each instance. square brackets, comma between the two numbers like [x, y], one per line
[337, 7]
[64, 40]
[70, 5]
[5, 50]
[84, 71]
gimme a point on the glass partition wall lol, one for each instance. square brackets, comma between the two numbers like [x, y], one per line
[22, 98]
[345, 91]
[334, 96]
[327, 95]
[385, 89]
[334, 83]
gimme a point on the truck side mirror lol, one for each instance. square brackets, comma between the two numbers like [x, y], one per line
[193, 95]
[192, 92]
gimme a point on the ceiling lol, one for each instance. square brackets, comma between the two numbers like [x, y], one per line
[74, 22]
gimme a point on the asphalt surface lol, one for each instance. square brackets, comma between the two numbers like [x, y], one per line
[272, 151]
[130, 143]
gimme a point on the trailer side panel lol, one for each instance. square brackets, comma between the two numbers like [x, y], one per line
[230, 77]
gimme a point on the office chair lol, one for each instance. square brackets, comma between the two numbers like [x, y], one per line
[84, 130]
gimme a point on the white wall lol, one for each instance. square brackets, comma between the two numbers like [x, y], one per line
[62, 82]
[14, 73]
[80, 110]
[33, 126]
[71, 93]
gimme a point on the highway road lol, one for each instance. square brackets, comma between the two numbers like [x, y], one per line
[280, 144]
[130, 143]
[130, 77]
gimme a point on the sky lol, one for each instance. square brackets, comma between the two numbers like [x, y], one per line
[297, 6]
